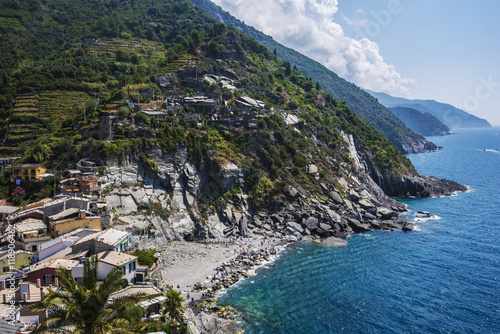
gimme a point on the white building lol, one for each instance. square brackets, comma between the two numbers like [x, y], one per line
[109, 260]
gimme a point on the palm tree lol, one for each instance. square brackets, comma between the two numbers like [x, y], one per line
[85, 307]
[173, 307]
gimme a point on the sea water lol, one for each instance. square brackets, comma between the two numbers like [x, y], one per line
[442, 278]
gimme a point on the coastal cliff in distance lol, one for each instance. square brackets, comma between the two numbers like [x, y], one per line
[422, 123]
[357, 99]
[451, 116]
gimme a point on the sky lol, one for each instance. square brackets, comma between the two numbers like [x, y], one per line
[445, 50]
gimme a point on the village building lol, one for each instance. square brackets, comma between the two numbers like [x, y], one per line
[109, 260]
[18, 259]
[30, 233]
[110, 239]
[64, 203]
[86, 184]
[44, 273]
[7, 210]
[28, 172]
[71, 219]
[58, 244]
[200, 104]
[86, 166]
[155, 114]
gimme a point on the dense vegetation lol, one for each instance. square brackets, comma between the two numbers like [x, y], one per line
[58, 60]
[357, 99]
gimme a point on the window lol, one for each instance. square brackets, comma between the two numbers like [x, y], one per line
[33, 248]
[48, 279]
[124, 269]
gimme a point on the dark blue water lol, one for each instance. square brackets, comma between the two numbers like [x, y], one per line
[444, 278]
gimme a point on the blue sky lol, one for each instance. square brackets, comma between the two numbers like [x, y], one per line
[443, 50]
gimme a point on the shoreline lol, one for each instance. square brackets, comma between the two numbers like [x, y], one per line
[201, 270]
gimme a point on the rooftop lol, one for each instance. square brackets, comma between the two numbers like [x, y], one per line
[9, 327]
[152, 113]
[4, 253]
[115, 258]
[7, 209]
[88, 237]
[30, 224]
[64, 199]
[133, 289]
[54, 264]
[27, 165]
[112, 237]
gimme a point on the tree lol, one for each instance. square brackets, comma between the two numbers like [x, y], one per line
[288, 69]
[18, 195]
[196, 37]
[173, 307]
[86, 307]
[39, 152]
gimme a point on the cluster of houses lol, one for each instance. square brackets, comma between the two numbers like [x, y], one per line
[203, 109]
[61, 232]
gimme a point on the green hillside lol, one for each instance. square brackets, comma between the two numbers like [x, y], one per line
[357, 99]
[74, 63]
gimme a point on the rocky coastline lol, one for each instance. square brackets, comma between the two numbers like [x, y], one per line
[164, 205]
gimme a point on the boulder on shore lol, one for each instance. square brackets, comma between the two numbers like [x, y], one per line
[334, 241]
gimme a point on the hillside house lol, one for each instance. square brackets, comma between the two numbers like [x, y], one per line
[109, 239]
[20, 259]
[61, 204]
[155, 114]
[71, 219]
[86, 166]
[109, 260]
[25, 214]
[62, 242]
[86, 184]
[28, 172]
[44, 273]
[30, 233]
[200, 104]
[7, 210]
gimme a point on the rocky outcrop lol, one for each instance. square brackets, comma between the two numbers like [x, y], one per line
[415, 145]
[399, 185]
[169, 200]
[417, 186]
[209, 324]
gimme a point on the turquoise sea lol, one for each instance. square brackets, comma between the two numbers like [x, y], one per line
[444, 278]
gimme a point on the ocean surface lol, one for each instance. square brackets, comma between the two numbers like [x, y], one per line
[443, 278]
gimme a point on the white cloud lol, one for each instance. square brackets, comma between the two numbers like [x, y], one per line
[308, 27]
[360, 23]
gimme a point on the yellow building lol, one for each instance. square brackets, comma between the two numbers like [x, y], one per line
[18, 260]
[27, 172]
[71, 219]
